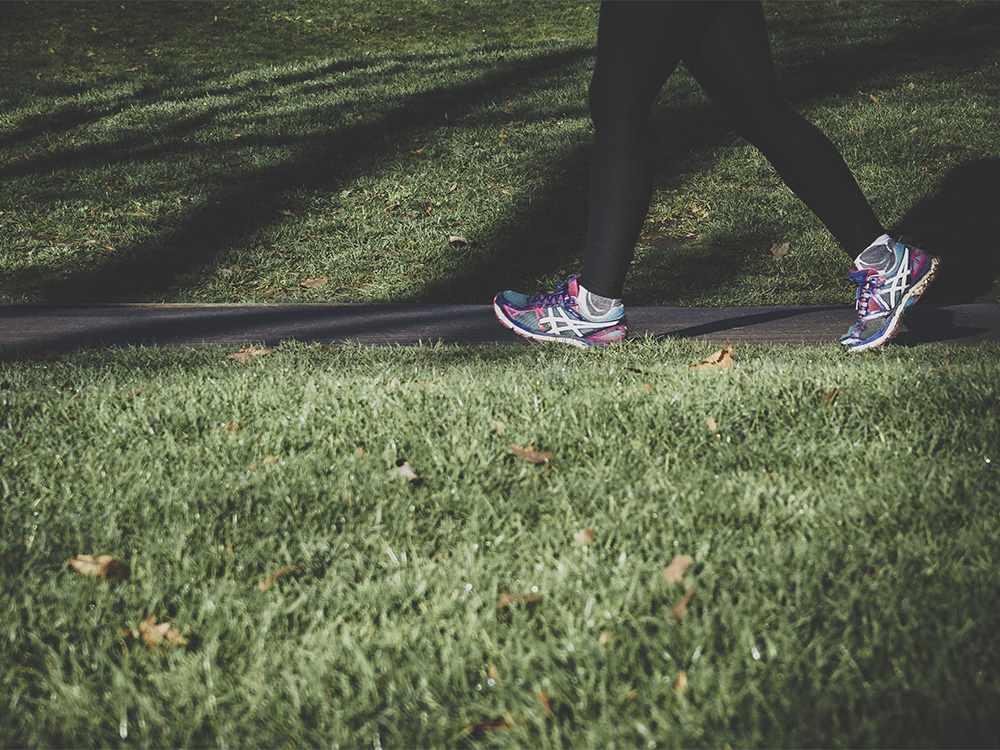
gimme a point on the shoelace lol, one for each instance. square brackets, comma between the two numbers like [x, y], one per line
[559, 298]
[872, 285]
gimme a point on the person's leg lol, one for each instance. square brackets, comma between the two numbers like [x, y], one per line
[733, 64]
[639, 44]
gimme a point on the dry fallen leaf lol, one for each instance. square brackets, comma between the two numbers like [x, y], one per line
[720, 360]
[675, 571]
[605, 637]
[160, 635]
[314, 283]
[508, 600]
[779, 250]
[678, 610]
[828, 397]
[103, 567]
[546, 703]
[455, 239]
[404, 471]
[531, 455]
[268, 581]
[712, 426]
[489, 725]
[680, 685]
[585, 537]
[249, 353]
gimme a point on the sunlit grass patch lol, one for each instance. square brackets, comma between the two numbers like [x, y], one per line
[840, 514]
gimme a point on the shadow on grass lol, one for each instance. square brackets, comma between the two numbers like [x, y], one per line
[960, 224]
[541, 238]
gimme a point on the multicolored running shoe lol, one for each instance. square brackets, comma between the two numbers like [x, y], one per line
[557, 317]
[882, 299]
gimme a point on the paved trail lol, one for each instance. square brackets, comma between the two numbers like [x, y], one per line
[63, 327]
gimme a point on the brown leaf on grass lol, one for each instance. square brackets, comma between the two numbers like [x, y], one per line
[675, 571]
[103, 567]
[531, 455]
[160, 635]
[828, 397]
[678, 610]
[249, 353]
[720, 360]
[455, 239]
[680, 685]
[779, 250]
[267, 460]
[404, 471]
[546, 703]
[269, 580]
[479, 728]
[712, 425]
[605, 637]
[585, 537]
[391, 207]
[314, 283]
[508, 600]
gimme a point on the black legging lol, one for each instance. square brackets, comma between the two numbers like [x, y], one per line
[725, 47]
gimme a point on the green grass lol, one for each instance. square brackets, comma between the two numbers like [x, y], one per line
[226, 152]
[844, 547]
[842, 513]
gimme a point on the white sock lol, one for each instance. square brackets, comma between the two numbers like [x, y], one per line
[878, 255]
[594, 305]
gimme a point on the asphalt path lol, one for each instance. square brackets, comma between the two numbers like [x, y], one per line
[68, 327]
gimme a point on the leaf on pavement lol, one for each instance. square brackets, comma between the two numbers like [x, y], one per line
[103, 567]
[531, 455]
[720, 360]
[675, 571]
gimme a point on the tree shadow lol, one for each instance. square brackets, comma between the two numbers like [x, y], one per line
[542, 237]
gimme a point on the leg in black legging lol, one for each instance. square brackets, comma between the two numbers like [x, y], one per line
[638, 46]
[726, 48]
[733, 64]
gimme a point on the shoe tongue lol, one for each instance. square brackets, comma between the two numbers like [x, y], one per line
[862, 275]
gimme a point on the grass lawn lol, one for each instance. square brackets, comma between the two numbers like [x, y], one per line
[349, 547]
[357, 557]
[223, 152]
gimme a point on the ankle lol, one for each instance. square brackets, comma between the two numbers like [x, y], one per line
[595, 305]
